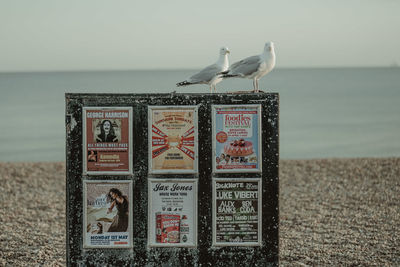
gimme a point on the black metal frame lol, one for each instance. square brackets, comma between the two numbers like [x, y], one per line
[204, 254]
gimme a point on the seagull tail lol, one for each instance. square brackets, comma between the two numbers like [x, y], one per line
[184, 83]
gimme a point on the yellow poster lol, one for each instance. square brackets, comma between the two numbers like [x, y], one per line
[173, 138]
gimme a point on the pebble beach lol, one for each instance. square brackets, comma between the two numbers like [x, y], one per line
[333, 212]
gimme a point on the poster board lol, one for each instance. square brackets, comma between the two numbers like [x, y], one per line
[172, 139]
[205, 253]
[107, 214]
[236, 138]
[237, 211]
[172, 213]
[107, 140]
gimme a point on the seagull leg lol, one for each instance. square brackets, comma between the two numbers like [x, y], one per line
[257, 90]
[254, 85]
[210, 89]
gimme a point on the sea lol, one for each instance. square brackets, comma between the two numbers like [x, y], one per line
[324, 112]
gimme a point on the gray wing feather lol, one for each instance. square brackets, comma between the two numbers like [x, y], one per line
[246, 66]
[206, 74]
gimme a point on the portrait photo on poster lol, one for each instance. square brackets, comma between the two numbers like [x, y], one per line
[236, 138]
[109, 130]
[107, 134]
[107, 214]
[173, 139]
[172, 213]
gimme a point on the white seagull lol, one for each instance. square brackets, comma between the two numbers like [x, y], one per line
[210, 75]
[254, 67]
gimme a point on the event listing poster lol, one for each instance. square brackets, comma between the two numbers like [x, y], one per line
[237, 212]
[107, 214]
[237, 138]
[173, 139]
[108, 140]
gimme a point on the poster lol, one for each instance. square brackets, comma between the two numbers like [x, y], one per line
[173, 139]
[236, 138]
[107, 137]
[107, 214]
[172, 213]
[237, 211]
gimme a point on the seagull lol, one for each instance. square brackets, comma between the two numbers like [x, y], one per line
[211, 74]
[253, 67]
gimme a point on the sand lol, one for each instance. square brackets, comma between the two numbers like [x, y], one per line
[333, 212]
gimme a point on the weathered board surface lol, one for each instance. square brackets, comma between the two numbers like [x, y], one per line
[204, 254]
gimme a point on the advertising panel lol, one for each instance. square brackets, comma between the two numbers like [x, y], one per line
[172, 213]
[236, 138]
[107, 214]
[237, 211]
[107, 134]
[172, 139]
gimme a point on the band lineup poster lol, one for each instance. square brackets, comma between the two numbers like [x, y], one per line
[107, 142]
[173, 139]
[237, 138]
[237, 211]
[172, 213]
[107, 214]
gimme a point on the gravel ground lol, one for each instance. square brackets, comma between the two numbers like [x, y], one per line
[334, 212]
[32, 214]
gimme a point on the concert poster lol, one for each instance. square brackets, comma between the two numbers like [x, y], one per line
[237, 211]
[172, 212]
[107, 214]
[107, 134]
[172, 139]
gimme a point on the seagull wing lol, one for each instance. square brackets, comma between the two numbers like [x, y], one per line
[246, 66]
[206, 74]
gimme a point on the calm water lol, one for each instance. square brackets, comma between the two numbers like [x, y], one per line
[350, 112]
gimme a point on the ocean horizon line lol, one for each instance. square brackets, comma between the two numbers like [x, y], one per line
[190, 69]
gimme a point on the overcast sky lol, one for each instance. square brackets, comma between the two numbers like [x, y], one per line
[108, 35]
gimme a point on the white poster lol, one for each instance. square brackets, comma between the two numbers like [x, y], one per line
[107, 214]
[172, 213]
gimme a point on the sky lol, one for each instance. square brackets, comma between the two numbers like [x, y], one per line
[53, 35]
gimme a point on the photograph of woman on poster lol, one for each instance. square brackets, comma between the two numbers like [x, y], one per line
[120, 221]
[107, 133]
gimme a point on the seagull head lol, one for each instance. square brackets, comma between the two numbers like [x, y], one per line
[224, 50]
[269, 47]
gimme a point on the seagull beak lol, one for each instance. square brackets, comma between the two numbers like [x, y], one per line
[228, 52]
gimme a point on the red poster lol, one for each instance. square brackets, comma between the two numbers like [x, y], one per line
[107, 141]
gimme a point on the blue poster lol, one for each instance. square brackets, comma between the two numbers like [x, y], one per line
[237, 138]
